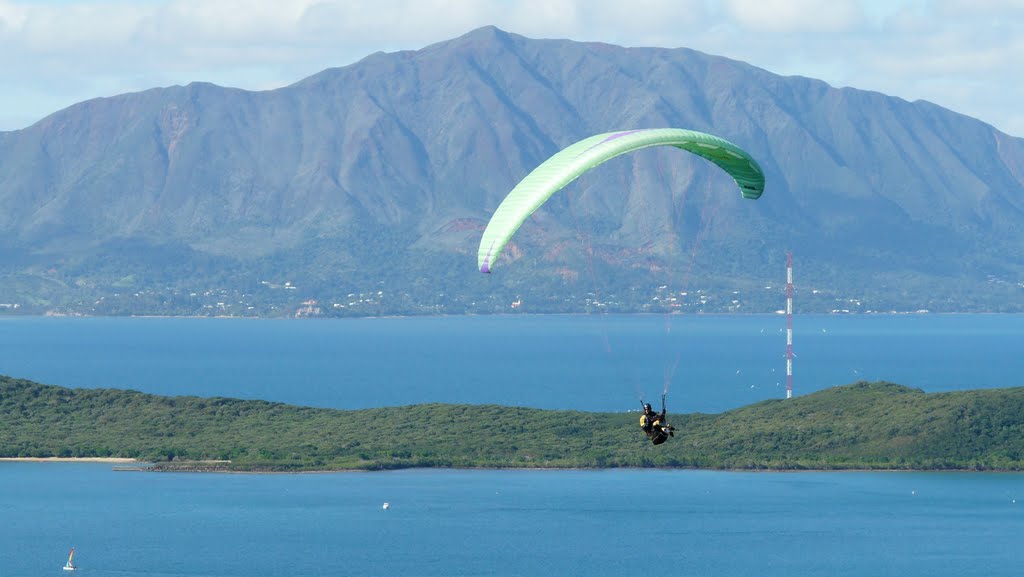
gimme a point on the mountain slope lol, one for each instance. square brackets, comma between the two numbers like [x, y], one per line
[383, 173]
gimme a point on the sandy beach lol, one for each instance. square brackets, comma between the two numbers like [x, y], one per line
[72, 459]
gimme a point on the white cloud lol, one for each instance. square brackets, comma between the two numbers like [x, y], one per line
[54, 29]
[977, 8]
[12, 15]
[793, 16]
[963, 54]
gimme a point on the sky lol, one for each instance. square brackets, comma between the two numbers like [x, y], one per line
[965, 55]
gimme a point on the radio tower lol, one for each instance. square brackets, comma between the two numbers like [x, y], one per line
[789, 325]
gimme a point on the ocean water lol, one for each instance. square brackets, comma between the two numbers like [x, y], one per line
[509, 523]
[586, 362]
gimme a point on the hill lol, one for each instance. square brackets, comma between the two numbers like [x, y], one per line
[365, 188]
[859, 426]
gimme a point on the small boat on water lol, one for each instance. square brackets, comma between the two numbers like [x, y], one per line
[70, 566]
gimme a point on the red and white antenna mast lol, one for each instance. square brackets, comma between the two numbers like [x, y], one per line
[789, 325]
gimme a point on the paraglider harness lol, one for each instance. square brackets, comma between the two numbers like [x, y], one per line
[654, 425]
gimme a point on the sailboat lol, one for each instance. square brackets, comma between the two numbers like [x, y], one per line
[69, 566]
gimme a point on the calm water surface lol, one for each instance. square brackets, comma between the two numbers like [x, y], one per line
[600, 363]
[509, 523]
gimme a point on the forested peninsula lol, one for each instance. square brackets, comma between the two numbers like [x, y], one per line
[864, 425]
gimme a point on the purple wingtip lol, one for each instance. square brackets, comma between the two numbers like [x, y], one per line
[613, 136]
[623, 133]
[486, 267]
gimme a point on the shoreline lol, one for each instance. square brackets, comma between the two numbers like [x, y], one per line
[184, 468]
[210, 467]
[120, 460]
[774, 313]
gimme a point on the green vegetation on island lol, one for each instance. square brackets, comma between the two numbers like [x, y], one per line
[859, 426]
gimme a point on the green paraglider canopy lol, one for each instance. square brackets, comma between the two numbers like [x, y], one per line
[566, 165]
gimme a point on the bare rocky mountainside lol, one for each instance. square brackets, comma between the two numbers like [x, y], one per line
[364, 190]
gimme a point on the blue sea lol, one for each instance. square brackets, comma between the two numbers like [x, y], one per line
[585, 362]
[511, 523]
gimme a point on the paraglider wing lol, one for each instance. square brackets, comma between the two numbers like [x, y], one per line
[566, 165]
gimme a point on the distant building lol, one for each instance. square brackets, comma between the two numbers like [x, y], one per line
[308, 309]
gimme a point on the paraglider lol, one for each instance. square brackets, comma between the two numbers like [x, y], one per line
[654, 425]
[568, 164]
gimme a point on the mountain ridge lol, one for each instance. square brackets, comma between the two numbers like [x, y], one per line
[418, 147]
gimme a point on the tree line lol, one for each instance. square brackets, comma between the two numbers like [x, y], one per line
[864, 425]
